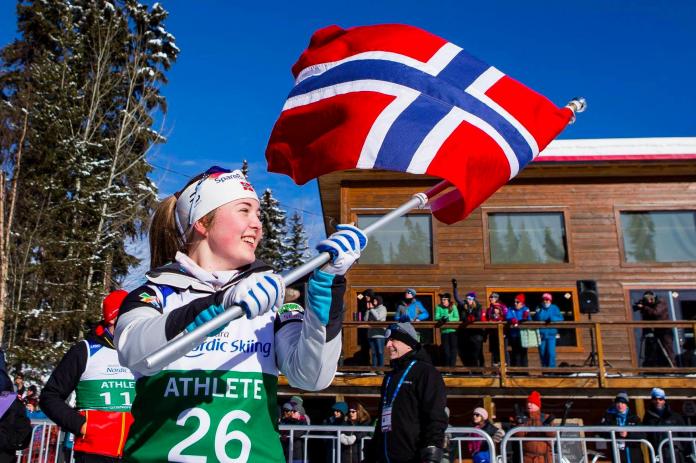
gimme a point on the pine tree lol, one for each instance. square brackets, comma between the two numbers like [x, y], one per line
[641, 236]
[87, 76]
[272, 249]
[525, 250]
[296, 243]
[245, 168]
[554, 252]
[512, 242]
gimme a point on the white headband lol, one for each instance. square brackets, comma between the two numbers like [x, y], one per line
[210, 192]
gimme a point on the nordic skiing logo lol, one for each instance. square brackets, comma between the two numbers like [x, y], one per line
[236, 346]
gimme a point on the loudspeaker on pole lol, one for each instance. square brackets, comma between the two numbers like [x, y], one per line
[588, 296]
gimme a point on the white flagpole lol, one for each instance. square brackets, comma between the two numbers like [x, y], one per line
[187, 341]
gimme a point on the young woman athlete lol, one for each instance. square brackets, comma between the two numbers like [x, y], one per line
[218, 402]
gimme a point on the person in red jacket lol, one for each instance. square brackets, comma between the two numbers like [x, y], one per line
[104, 391]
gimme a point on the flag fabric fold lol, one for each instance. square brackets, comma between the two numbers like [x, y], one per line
[399, 98]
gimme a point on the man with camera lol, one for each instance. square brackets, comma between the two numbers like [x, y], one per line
[658, 343]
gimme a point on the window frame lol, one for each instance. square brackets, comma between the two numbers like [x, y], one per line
[563, 210]
[579, 347]
[434, 265]
[618, 209]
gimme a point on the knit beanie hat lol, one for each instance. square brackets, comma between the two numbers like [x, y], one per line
[112, 305]
[621, 397]
[658, 393]
[411, 291]
[341, 407]
[520, 297]
[481, 411]
[404, 332]
[534, 398]
[472, 294]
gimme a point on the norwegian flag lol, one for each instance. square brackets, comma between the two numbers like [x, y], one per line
[396, 97]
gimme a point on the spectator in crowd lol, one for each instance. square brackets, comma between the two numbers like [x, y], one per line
[19, 385]
[31, 398]
[536, 451]
[687, 359]
[446, 312]
[15, 427]
[658, 342]
[351, 442]
[478, 449]
[364, 298]
[297, 400]
[104, 391]
[516, 315]
[292, 414]
[620, 414]
[412, 419]
[497, 312]
[548, 313]
[411, 309]
[470, 340]
[376, 312]
[659, 413]
[339, 410]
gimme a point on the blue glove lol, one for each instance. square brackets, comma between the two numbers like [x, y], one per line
[205, 316]
[344, 246]
[256, 294]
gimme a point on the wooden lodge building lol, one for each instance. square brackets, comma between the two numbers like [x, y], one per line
[614, 216]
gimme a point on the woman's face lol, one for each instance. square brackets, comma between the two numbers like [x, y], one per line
[234, 233]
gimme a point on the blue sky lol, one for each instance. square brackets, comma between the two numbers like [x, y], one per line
[635, 62]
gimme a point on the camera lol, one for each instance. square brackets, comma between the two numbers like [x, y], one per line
[639, 305]
[520, 417]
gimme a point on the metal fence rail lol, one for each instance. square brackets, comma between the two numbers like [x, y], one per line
[567, 444]
[561, 439]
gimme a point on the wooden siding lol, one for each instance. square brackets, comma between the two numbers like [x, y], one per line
[590, 196]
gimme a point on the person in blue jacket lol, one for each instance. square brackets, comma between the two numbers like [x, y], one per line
[411, 309]
[549, 313]
[516, 315]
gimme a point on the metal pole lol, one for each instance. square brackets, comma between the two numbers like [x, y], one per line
[187, 341]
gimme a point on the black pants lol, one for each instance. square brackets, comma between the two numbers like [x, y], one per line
[518, 354]
[449, 345]
[471, 348]
[93, 458]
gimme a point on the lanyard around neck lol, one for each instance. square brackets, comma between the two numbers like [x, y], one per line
[398, 386]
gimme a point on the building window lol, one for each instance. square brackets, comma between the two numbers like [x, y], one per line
[407, 240]
[527, 238]
[659, 236]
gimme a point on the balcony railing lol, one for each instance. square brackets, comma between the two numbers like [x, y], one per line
[591, 341]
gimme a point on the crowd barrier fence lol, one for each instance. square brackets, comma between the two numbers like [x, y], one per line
[319, 443]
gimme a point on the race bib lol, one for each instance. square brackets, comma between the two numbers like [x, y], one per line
[386, 419]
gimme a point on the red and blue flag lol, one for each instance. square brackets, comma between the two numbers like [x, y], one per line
[396, 97]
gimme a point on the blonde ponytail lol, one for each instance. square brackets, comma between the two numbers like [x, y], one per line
[164, 235]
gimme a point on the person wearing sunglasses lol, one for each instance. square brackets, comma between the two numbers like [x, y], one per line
[218, 402]
[352, 441]
[411, 422]
[478, 449]
[659, 413]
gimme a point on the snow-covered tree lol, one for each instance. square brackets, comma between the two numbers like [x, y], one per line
[81, 86]
[272, 249]
[296, 243]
